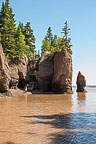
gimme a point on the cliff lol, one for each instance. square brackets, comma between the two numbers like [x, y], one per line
[11, 75]
[4, 72]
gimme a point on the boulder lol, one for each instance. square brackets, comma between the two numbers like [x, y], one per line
[62, 79]
[4, 72]
[45, 72]
[81, 83]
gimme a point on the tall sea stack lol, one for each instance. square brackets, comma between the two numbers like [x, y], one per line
[56, 74]
[81, 83]
[62, 79]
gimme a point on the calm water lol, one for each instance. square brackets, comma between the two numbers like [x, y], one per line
[49, 119]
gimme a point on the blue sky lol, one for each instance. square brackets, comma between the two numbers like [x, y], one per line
[81, 16]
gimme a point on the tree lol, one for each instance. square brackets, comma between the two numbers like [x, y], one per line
[55, 44]
[21, 26]
[20, 45]
[66, 42]
[47, 41]
[29, 37]
[49, 34]
[0, 37]
[45, 45]
[7, 29]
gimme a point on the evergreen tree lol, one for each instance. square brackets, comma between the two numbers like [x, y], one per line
[20, 45]
[21, 26]
[54, 44]
[54, 40]
[29, 37]
[66, 42]
[7, 29]
[45, 45]
[47, 41]
[0, 37]
[49, 34]
[2, 15]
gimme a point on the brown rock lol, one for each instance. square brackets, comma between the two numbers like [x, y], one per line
[18, 74]
[14, 76]
[62, 80]
[45, 72]
[4, 72]
[81, 83]
[22, 72]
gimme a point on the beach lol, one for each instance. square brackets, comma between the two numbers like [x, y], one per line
[48, 118]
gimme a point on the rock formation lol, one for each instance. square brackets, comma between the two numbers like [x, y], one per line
[45, 73]
[11, 75]
[4, 72]
[18, 74]
[32, 73]
[62, 79]
[22, 72]
[14, 77]
[56, 75]
[81, 83]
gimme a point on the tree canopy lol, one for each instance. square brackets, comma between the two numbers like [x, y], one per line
[54, 44]
[18, 41]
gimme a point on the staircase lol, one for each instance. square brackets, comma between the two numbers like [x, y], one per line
[32, 74]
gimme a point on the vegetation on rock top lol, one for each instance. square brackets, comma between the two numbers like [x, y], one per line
[16, 42]
[20, 41]
[55, 44]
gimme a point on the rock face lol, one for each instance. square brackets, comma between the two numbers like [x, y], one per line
[4, 72]
[62, 79]
[53, 75]
[45, 73]
[56, 75]
[14, 77]
[81, 83]
[22, 72]
[18, 74]
[11, 75]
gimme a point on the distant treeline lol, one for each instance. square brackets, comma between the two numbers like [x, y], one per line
[20, 41]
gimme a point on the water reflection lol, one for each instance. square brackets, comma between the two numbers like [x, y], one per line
[73, 138]
[76, 127]
[81, 97]
[77, 121]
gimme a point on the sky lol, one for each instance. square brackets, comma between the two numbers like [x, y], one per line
[81, 17]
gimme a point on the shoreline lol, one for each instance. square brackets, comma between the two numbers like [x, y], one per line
[16, 92]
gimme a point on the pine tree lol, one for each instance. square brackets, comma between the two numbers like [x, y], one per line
[29, 37]
[45, 45]
[21, 26]
[66, 39]
[54, 41]
[0, 37]
[49, 34]
[48, 41]
[20, 45]
[7, 29]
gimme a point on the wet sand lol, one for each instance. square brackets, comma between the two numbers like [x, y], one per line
[48, 119]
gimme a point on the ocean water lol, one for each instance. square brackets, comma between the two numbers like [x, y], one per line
[49, 119]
